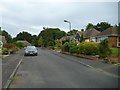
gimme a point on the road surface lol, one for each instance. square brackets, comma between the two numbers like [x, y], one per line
[54, 70]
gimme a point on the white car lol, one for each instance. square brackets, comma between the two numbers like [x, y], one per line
[31, 50]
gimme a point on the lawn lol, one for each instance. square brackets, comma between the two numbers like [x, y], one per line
[115, 51]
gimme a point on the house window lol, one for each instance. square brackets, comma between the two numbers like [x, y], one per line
[118, 42]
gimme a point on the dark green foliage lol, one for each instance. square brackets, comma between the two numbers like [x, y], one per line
[104, 50]
[34, 41]
[50, 35]
[19, 44]
[40, 41]
[66, 47]
[7, 36]
[89, 26]
[72, 32]
[69, 46]
[102, 26]
[81, 38]
[74, 49]
[24, 36]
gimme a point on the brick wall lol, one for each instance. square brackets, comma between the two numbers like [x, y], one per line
[112, 41]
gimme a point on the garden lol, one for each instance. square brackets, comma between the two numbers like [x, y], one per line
[11, 48]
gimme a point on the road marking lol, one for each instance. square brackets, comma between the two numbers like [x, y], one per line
[12, 75]
[97, 69]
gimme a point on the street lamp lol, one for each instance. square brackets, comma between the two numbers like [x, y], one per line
[69, 24]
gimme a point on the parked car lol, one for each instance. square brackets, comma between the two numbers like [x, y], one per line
[31, 50]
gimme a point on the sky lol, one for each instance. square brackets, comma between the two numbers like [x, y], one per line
[32, 15]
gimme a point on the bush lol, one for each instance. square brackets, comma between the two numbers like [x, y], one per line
[19, 44]
[66, 47]
[88, 48]
[58, 43]
[104, 50]
[13, 50]
[74, 49]
[9, 45]
[70, 47]
[5, 51]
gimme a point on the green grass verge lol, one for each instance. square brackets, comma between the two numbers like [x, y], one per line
[115, 51]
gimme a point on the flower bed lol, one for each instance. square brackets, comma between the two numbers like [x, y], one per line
[83, 56]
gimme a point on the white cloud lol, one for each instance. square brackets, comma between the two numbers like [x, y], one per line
[32, 15]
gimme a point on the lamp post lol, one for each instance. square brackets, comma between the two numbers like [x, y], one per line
[69, 24]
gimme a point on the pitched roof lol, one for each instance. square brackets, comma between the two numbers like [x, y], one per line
[68, 37]
[25, 42]
[112, 31]
[90, 33]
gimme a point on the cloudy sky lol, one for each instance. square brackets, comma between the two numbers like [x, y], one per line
[33, 15]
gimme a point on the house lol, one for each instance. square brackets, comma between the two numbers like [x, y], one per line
[88, 35]
[2, 39]
[26, 43]
[71, 38]
[112, 34]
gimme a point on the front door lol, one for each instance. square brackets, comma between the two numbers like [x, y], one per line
[118, 42]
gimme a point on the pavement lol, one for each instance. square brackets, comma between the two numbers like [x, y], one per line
[9, 63]
[52, 69]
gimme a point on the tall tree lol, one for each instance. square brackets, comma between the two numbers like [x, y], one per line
[40, 41]
[34, 40]
[24, 36]
[7, 36]
[81, 38]
[72, 32]
[102, 26]
[50, 35]
[89, 26]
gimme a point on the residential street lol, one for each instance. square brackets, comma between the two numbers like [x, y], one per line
[55, 70]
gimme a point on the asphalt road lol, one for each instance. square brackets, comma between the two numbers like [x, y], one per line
[54, 70]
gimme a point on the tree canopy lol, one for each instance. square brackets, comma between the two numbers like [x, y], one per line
[72, 32]
[100, 26]
[89, 26]
[7, 35]
[49, 35]
[24, 36]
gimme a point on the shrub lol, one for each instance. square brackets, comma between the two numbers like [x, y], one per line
[88, 48]
[104, 50]
[58, 43]
[70, 47]
[66, 47]
[13, 50]
[9, 45]
[5, 51]
[19, 44]
[74, 49]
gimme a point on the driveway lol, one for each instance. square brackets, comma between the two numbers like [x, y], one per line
[54, 70]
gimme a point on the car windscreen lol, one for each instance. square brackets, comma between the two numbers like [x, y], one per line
[31, 48]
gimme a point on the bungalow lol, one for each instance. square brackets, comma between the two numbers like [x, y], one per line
[112, 34]
[88, 35]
